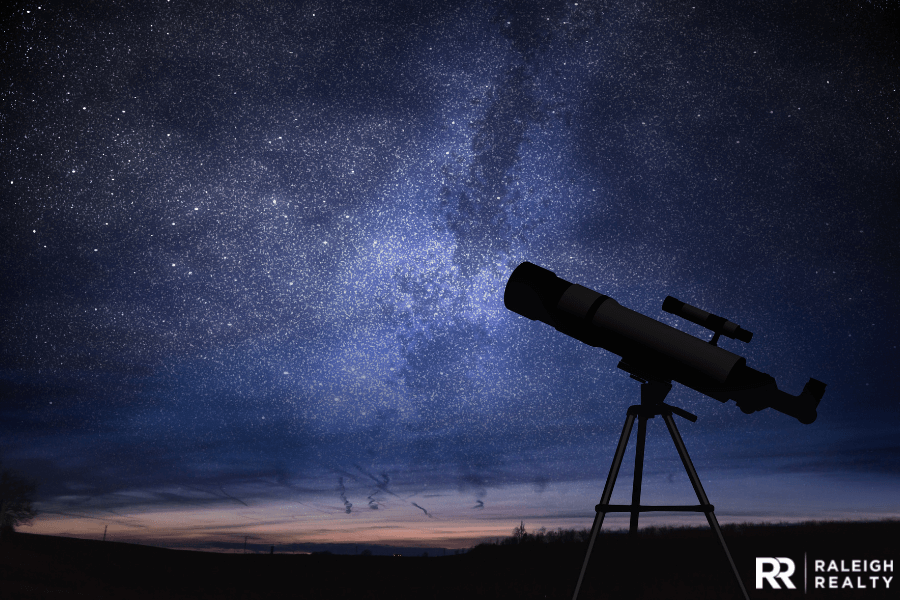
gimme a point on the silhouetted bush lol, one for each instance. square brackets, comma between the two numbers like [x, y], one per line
[16, 496]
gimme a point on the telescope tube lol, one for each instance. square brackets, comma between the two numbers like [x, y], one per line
[651, 347]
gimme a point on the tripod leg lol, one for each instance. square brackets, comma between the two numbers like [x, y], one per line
[607, 494]
[638, 474]
[701, 495]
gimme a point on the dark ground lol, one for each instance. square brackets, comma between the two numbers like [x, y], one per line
[675, 563]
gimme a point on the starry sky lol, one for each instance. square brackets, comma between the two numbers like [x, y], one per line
[253, 257]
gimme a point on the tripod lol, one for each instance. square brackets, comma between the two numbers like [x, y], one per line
[652, 395]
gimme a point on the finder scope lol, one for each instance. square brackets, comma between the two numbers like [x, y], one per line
[651, 350]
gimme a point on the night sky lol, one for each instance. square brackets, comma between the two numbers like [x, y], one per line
[253, 255]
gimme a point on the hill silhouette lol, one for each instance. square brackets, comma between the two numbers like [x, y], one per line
[664, 563]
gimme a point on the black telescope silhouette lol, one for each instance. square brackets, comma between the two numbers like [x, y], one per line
[651, 350]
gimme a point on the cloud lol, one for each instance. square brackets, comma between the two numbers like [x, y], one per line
[347, 505]
[381, 484]
[427, 514]
[227, 495]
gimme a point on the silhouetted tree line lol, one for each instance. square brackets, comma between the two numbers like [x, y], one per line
[542, 536]
[521, 537]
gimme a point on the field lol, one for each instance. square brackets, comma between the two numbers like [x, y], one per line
[664, 563]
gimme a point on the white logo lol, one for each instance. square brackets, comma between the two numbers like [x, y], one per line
[770, 569]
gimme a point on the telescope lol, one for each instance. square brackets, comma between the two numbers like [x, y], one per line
[655, 354]
[651, 350]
